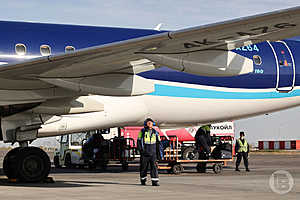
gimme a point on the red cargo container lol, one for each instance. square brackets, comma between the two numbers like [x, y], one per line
[298, 144]
[283, 145]
[271, 144]
[260, 145]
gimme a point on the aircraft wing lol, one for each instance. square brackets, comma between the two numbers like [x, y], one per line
[111, 69]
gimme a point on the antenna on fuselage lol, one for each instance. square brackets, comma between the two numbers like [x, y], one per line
[157, 28]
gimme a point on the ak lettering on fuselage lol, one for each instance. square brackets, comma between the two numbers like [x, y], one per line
[251, 32]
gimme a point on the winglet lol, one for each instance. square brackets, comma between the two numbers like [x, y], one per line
[157, 28]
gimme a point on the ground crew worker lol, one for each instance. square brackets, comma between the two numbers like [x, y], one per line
[203, 145]
[203, 141]
[242, 150]
[148, 145]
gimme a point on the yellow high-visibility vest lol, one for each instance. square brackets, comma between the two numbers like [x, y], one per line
[242, 147]
[148, 137]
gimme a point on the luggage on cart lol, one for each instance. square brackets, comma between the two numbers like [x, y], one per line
[99, 152]
[223, 149]
[173, 158]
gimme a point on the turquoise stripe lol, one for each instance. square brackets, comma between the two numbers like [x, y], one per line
[175, 91]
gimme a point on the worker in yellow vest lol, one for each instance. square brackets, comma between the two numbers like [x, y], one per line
[242, 151]
[148, 145]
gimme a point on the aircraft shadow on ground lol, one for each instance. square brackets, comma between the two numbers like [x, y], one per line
[61, 184]
[113, 169]
[58, 184]
[187, 169]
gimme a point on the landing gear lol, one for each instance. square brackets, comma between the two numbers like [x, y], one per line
[10, 163]
[27, 164]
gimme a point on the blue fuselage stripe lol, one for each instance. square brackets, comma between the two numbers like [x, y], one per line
[175, 91]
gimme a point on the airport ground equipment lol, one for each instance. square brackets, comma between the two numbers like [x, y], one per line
[175, 154]
[69, 152]
[94, 149]
[116, 150]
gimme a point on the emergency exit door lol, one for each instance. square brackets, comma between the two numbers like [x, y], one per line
[285, 66]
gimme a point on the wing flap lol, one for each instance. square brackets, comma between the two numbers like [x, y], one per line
[108, 84]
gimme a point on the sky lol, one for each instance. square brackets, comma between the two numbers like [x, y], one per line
[174, 14]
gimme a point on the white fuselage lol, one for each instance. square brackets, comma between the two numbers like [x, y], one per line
[179, 110]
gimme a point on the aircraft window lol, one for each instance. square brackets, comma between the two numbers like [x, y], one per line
[69, 49]
[20, 49]
[257, 60]
[45, 50]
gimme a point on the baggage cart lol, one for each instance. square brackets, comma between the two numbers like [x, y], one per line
[172, 157]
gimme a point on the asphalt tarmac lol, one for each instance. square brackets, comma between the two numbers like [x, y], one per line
[114, 184]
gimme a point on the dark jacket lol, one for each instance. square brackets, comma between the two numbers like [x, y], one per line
[203, 140]
[149, 149]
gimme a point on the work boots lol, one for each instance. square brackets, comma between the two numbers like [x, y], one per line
[155, 183]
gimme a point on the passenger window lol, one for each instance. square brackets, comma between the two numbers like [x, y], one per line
[257, 60]
[45, 50]
[20, 49]
[69, 49]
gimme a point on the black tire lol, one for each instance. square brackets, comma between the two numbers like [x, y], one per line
[68, 161]
[125, 166]
[201, 167]
[10, 163]
[218, 168]
[177, 169]
[103, 165]
[190, 154]
[33, 165]
[56, 162]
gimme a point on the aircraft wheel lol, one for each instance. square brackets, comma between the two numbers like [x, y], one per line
[10, 163]
[33, 164]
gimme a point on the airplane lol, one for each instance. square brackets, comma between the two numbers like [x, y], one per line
[59, 79]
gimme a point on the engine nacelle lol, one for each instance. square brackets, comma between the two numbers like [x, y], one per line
[206, 63]
[118, 111]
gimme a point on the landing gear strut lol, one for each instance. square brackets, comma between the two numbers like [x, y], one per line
[27, 164]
